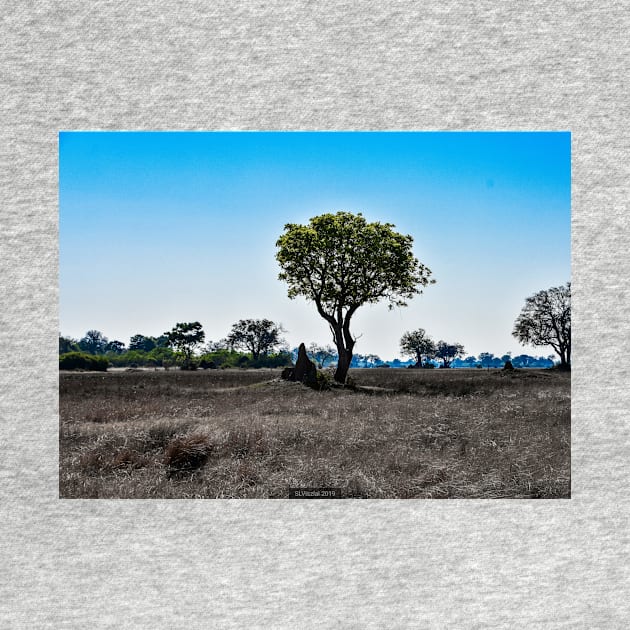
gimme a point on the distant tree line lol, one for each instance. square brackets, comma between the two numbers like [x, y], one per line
[250, 343]
[324, 356]
[545, 320]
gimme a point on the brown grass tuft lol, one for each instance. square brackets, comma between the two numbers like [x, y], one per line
[128, 458]
[187, 453]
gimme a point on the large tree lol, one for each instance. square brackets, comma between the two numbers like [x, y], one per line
[341, 262]
[417, 344]
[258, 336]
[545, 320]
[185, 337]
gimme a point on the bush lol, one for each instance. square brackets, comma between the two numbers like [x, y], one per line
[188, 364]
[82, 361]
[323, 381]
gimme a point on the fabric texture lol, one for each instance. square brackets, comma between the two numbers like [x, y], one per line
[304, 65]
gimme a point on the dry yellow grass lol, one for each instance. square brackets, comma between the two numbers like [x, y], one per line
[245, 434]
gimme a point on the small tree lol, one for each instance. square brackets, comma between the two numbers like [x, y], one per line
[545, 320]
[67, 344]
[141, 342]
[341, 262]
[418, 345]
[373, 360]
[258, 336]
[185, 337]
[448, 351]
[216, 346]
[93, 342]
[321, 354]
[115, 347]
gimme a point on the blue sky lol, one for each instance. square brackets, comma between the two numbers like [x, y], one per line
[159, 228]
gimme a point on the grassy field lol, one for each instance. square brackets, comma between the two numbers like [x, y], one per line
[246, 434]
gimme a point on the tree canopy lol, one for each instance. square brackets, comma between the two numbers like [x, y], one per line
[258, 336]
[545, 320]
[321, 354]
[93, 342]
[448, 351]
[417, 344]
[341, 262]
[67, 344]
[185, 337]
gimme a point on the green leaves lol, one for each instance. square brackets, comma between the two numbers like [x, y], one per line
[342, 261]
[185, 337]
[258, 336]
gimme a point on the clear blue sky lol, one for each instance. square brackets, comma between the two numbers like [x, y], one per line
[159, 228]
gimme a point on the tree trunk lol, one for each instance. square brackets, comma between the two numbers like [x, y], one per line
[343, 365]
[340, 328]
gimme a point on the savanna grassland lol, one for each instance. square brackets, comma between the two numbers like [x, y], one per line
[247, 434]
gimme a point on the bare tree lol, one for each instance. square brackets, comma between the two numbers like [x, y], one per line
[545, 320]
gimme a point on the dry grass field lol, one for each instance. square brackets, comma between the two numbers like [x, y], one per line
[246, 434]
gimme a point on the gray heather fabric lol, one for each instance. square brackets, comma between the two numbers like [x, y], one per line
[305, 65]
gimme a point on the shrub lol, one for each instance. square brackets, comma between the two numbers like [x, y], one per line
[132, 358]
[188, 364]
[323, 381]
[82, 361]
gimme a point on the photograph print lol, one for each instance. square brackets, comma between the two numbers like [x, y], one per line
[315, 315]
